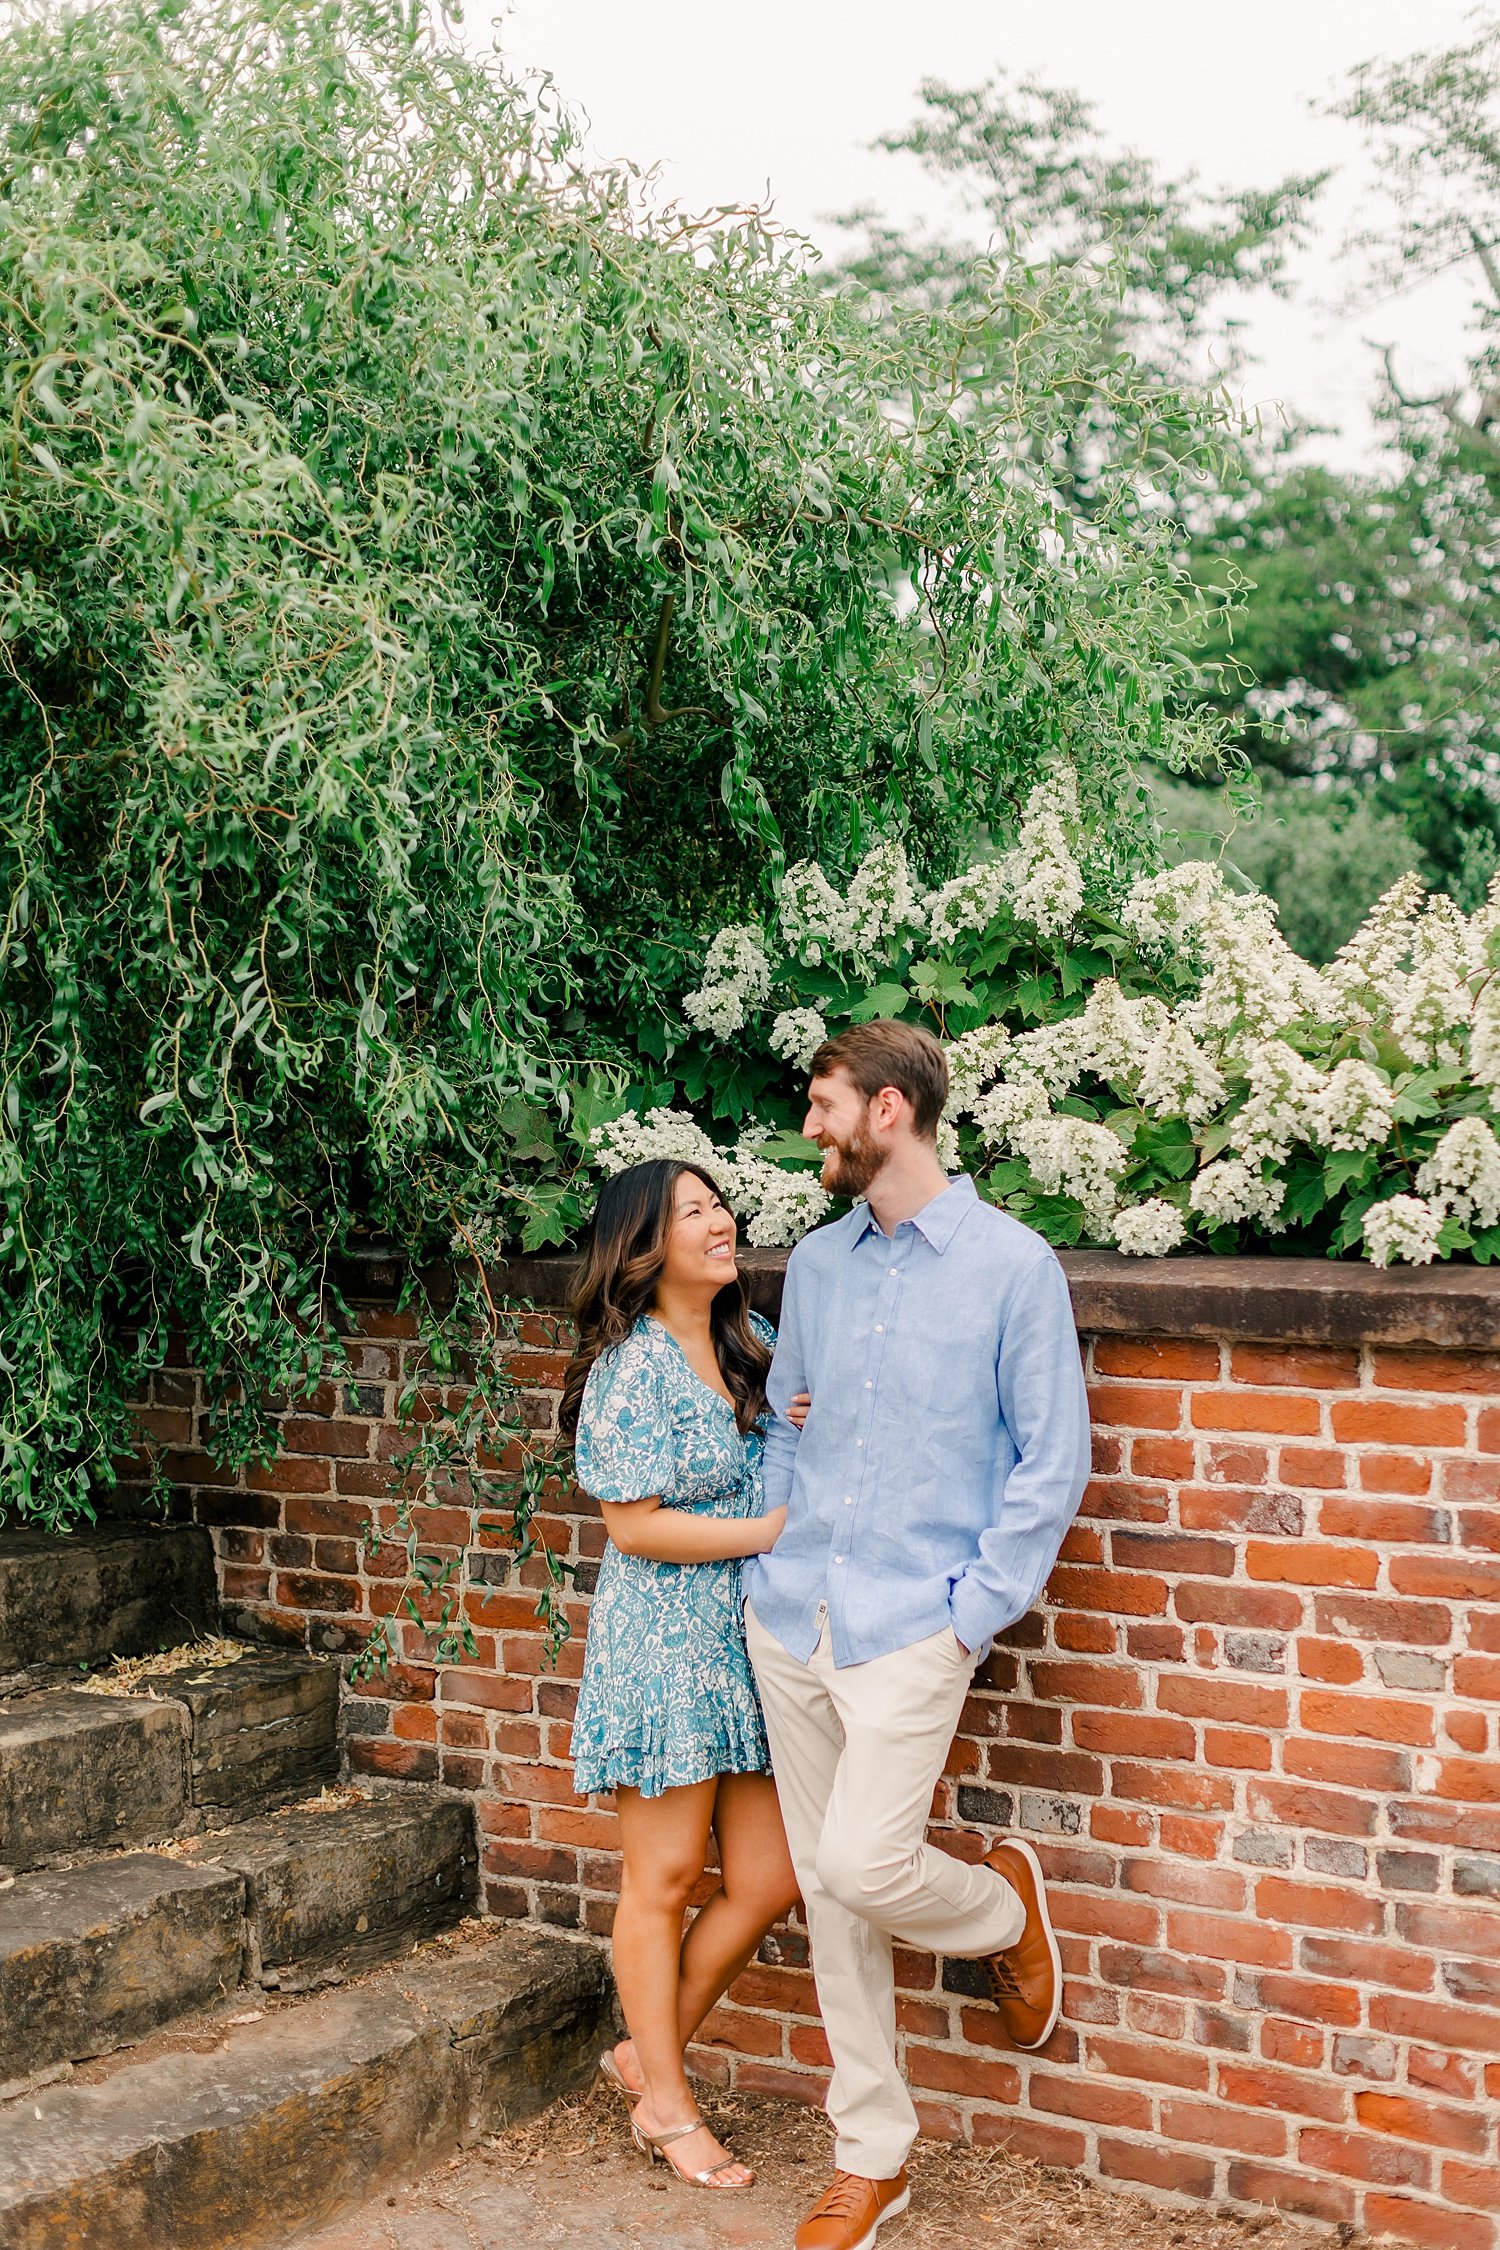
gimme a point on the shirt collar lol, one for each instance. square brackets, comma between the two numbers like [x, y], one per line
[937, 1222]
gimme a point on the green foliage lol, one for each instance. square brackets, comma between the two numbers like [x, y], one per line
[410, 538]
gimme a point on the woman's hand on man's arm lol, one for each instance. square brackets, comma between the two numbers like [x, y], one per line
[646, 1528]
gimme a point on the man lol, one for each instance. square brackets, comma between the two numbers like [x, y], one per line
[943, 1459]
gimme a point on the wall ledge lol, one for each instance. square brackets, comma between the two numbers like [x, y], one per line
[1289, 1300]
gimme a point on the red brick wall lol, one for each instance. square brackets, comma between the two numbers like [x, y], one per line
[1252, 1729]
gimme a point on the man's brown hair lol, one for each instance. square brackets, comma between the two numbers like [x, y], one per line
[884, 1053]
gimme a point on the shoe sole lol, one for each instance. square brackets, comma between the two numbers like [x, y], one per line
[891, 2211]
[1029, 2046]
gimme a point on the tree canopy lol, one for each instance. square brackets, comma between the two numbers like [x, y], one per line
[435, 576]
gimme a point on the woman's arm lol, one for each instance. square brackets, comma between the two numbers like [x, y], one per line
[645, 1527]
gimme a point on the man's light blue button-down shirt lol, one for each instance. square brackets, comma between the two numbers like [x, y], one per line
[948, 1443]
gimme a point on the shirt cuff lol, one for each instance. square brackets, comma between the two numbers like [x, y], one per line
[965, 1611]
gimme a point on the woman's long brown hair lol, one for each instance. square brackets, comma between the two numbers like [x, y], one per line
[622, 1263]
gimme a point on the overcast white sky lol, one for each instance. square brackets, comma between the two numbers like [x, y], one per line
[785, 95]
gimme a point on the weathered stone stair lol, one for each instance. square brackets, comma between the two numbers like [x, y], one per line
[251, 2112]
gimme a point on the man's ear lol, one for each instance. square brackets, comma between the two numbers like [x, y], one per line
[888, 1107]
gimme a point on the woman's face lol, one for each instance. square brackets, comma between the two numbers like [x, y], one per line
[700, 1240]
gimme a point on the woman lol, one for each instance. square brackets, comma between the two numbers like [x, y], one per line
[666, 1394]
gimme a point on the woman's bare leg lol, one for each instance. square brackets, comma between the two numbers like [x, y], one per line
[759, 1890]
[665, 1843]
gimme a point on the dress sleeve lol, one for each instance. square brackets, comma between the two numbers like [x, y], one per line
[764, 1330]
[623, 1449]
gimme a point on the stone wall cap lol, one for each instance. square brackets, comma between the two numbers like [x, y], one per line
[1290, 1300]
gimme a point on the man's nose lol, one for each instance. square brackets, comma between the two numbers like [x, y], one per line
[807, 1126]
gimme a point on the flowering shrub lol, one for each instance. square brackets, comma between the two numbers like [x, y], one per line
[1144, 1064]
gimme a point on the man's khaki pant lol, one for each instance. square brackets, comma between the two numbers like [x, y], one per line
[857, 1754]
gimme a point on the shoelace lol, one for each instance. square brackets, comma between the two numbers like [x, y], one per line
[1003, 1977]
[845, 2198]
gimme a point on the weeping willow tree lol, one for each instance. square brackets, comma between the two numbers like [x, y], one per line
[433, 576]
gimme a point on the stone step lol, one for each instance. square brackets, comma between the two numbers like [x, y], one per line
[203, 1744]
[97, 1956]
[284, 2123]
[109, 1590]
[259, 1729]
[328, 1891]
[80, 1771]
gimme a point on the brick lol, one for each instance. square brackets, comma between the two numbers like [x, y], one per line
[1185, 1788]
[1269, 1514]
[1327, 2200]
[1089, 1636]
[1394, 1472]
[1235, 1701]
[1220, 1937]
[1464, 1578]
[1323, 1467]
[1095, 2101]
[1475, 1374]
[1290, 2093]
[1157, 1359]
[1452, 1929]
[1394, 1523]
[1411, 2120]
[1477, 2184]
[1267, 1608]
[1299, 2044]
[1317, 1906]
[1425, 2224]
[1469, 1780]
[1140, 1733]
[1364, 2156]
[1166, 1551]
[1160, 1972]
[1151, 1641]
[1191, 1839]
[1275, 1414]
[1397, 1422]
[1371, 1718]
[1309, 1563]
[1140, 2058]
[1436, 2022]
[1297, 1367]
[1331, 2006]
[1154, 2166]
[349, 1439]
[1191, 1885]
[1164, 1458]
[1216, 2125]
[1136, 1406]
[1112, 1685]
[1355, 1765]
[1231, 1461]
[1335, 1661]
[1124, 1593]
[1056, 2145]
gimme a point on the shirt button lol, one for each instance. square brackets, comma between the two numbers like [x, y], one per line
[848, 1499]
[869, 1386]
[838, 1558]
[880, 1327]
[895, 1273]
[859, 1441]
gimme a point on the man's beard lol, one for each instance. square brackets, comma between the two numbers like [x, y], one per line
[855, 1164]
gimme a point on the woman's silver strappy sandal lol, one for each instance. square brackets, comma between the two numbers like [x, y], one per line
[611, 2073]
[655, 2145]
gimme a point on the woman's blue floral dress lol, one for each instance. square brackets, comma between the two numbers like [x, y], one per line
[667, 1695]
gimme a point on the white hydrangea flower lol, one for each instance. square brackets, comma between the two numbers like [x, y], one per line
[1484, 1036]
[1073, 1156]
[1149, 1229]
[1055, 1054]
[669, 1133]
[778, 1206]
[1171, 907]
[1363, 967]
[973, 1061]
[1255, 983]
[1230, 1191]
[947, 1145]
[1404, 1229]
[1433, 999]
[881, 902]
[1285, 1090]
[1048, 890]
[797, 1034]
[1116, 1032]
[736, 979]
[808, 909]
[1463, 1172]
[970, 901]
[1354, 1108]
[1178, 1078]
[997, 1114]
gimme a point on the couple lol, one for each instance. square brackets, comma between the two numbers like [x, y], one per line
[901, 1503]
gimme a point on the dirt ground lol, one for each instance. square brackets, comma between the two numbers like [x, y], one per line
[571, 2178]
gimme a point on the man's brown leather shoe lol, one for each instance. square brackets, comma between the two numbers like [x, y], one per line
[1026, 1980]
[851, 2212]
